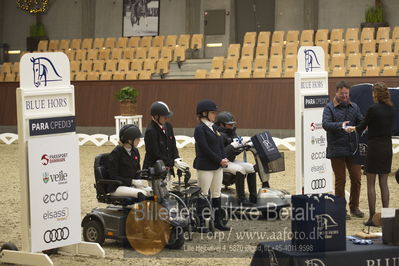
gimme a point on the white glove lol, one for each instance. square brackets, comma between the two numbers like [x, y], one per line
[181, 165]
[236, 143]
[139, 183]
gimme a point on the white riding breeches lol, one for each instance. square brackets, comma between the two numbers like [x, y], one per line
[210, 179]
[238, 166]
[124, 191]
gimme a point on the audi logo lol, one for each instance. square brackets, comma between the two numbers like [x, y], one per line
[55, 235]
[53, 197]
[318, 183]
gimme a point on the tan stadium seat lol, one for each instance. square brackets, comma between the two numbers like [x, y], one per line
[387, 60]
[87, 66]
[15, 67]
[98, 66]
[307, 38]
[337, 61]
[110, 42]
[352, 35]
[337, 48]
[196, 41]
[180, 54]
[372, 71]
[121, 42]
[214, 74]
[132, 75]
[385, 46]
[64, 45]
[110, 65]
[145, 75]
[98, 44]
[149, 65]
[200, 73]
[259, 73]
[134, 42]
[292, 37]
[325, 46]
[389, 71]
[367, 35]
[352, 48]
[106, 76]
[231, 64]
[396, 48]
[338, 72]
[93, 76]
[163, 66]
[218, 63]
[42, 45]
[6, 67]
[153, 53]
[128, 53]
[234, 51]
[383, 34]
[158, 41]
[262, 50]
[246, 64]
[75, 66]
[355, 72]
[291, 49]
[368, 47]
[321, 36]
[290, 66]
[10, 77]
[370, 60]
[124, 65]
[92, 54]
[118, 76]
[146, 41]
[275, 68]
[229, 74]
[53, 45]
[354, 61]
[141, 53]
[278, 37]
[87, 43]
[336, 36]
[260, 63]
[184, 41]
[104, 54]
[81, 55]
[137, 65]
[249, 39]
[70, 54]
[116, 53]
[75, 44]
[171, 41]
[395, 34]
[166, 53]
[2, 77]
[80, 76]
[264, 38]
[276, 50]
[247, 51]
[244, 74]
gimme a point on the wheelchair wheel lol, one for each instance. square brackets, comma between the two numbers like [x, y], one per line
[176, 240]
[93, 231]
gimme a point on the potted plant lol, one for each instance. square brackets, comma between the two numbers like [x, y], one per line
[127, 96]
[375, 16]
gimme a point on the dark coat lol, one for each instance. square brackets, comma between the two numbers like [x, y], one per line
[122, 166]
[160, 145]
[228, 135]
[209, 149]
[339, 142]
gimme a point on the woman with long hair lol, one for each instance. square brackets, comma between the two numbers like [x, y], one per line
[379, 121]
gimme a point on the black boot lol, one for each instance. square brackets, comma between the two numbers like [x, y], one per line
[201, 206]
[240, 188]
[251, 181]
[220, 215]
[265, 184]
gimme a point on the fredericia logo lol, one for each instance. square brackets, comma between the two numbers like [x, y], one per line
[320, 141]
[60, 177]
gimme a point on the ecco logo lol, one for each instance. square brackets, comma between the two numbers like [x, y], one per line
[55, 235]
[318, 155]
[53, 197]
[318, 183]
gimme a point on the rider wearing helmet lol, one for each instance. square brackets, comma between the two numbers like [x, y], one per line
[210, 158]
[227, 127]
[160, 142]
[124, 162]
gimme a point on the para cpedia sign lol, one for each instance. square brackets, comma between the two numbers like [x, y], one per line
[53, 125]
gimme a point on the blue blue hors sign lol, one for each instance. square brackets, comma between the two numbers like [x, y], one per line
[53, 125]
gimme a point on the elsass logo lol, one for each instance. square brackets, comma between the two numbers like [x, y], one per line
[55, 235]
[314, 262]
[319, 141]
[318, 155]
[53, 158]
[311, 61]
[318, 168]
[55, 197]
[325, 221]
[59, 215]
[60, 177]
[44, 71]
[315, 126]
[318, 183]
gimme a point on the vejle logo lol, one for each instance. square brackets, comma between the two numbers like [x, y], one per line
[320, 141]
[53, 158]
[60, 177]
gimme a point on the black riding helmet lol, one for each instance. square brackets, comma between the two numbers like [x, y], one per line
[206, 106]
[225, 118]
[160, 109]
[129, 132]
